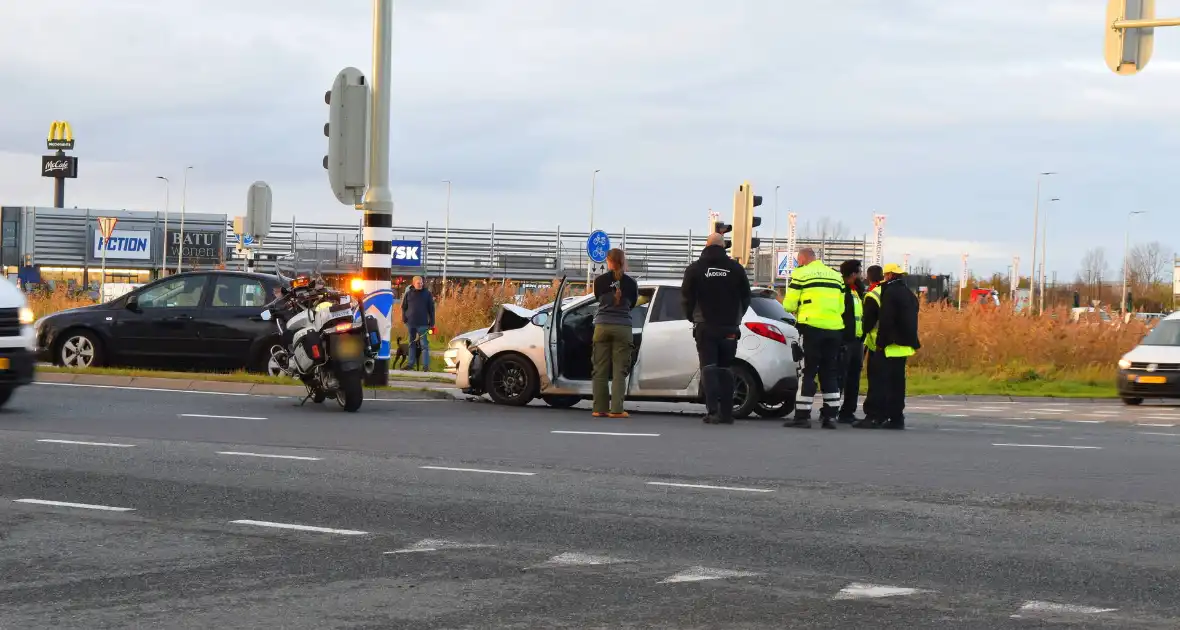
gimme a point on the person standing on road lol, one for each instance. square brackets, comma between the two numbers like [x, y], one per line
[815, 294]
[418, 316]
[897, 340]
[852, 356]
[872, 310]
[715, 294]
[616, 294]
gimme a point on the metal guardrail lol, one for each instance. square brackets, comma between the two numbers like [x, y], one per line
[465, 253]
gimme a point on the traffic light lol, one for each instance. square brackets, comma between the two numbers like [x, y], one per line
[744, 222]
[1127, 50]
[348, 136]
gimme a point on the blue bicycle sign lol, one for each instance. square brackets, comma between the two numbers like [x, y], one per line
[597, 246]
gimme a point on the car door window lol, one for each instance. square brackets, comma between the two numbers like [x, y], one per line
[238, 292]
[183, 292]
[667, 306]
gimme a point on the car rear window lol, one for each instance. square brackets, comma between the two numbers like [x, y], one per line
[1165, 333]
[768, 308]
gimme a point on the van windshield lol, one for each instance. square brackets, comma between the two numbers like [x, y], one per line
[1165, 333]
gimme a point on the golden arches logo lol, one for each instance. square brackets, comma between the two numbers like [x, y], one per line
[61, 136]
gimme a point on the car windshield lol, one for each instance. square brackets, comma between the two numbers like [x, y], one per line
[768, 308]
[1165, 333]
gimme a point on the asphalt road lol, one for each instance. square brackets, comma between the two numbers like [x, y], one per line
[130, 508]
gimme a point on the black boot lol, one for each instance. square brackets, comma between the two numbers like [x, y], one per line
[724, 379]
[709, 384]
[802, 421]
[826, 423]
[866, 423]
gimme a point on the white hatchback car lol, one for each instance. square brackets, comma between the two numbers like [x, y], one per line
[1152, 369]
[546, 353]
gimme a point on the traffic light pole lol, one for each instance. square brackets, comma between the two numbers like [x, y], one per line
[378, 201]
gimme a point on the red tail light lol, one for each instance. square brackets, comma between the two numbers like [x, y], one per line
[768, 331]
[315, 352]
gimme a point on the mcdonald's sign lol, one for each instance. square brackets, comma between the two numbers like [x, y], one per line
[61, 137]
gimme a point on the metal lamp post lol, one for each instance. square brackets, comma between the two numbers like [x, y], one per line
[1032, 278]
[446, 237]
[1044, 257]
[183, 207]
[593, 184]
[167, 202]
[1126, 259]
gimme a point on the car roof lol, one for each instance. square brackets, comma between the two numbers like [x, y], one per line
[227, 272]
[1175, 315]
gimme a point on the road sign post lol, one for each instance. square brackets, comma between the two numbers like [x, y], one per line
[597, 245]
[257, 221]
[106, 227]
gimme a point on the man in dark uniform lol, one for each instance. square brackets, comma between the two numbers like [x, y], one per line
[897, 340]
[715, 294]
[852, 357]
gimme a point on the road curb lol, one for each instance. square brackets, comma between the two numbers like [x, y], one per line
[228, 387]
[1017, 399]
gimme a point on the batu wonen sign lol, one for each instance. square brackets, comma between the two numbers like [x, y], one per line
[124, 245]
[200, 246]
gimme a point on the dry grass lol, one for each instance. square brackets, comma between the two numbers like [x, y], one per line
[44, 303]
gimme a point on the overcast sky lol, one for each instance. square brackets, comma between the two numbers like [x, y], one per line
[937, 113]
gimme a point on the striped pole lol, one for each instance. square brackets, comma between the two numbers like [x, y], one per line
[377, 228]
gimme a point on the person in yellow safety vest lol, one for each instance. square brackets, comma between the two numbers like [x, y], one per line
[852, 352]
[815, 293]
[897, 340]
[872, 311]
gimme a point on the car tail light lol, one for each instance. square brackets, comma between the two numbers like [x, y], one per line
[768, 331]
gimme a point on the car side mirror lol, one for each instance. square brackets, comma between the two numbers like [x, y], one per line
[540, 319]
[133, 303]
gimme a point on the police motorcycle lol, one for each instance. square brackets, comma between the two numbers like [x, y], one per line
[327, 341]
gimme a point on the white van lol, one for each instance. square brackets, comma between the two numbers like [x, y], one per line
[1152, 369]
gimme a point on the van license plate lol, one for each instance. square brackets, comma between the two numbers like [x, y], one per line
[1153, 380]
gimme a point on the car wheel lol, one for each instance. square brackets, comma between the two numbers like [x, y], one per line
[780, 410]
[1133, 401]
[79, 349]
[561, 402]
[511, 380]
[747, 391]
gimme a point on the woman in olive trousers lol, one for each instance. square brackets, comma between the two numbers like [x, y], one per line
[616, 293]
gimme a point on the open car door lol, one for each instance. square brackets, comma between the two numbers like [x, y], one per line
[552, 328]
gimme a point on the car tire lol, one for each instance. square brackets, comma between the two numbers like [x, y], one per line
[764, 410]
[747, 391]
[511, 380]
[79, 349]
[561, 402]
[352, 390]
[1133, 401]
[5, 394]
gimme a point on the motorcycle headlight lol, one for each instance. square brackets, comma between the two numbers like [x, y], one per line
[26, 316]
[1124, 364]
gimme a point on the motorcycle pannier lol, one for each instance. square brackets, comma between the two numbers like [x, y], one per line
[308, 351]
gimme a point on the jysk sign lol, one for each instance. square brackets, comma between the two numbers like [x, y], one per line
[124, 245]
[406, 253]
[200, 246]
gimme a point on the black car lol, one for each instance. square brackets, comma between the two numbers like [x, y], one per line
[206, 319]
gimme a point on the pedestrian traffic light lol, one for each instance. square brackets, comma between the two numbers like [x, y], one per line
[744, 222]
[347, 130]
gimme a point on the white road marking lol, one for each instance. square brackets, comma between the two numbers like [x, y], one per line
[707, 487]
[270, 456]
[983, 431]
[1080, 448]
[607, 433]
[954, 415]
[701, 574]
[858, 590]
[205, 415]
[1020, 426]
[1159, 433]
[111, 444]
[1085, 421]
[413, 400]
[432, 544]
[153, 389]
[1160, 417]
[1067, 609]
[1162, 426]
[988, 409]
[580, 559]
[1048, 410]
[84, 506]
[301, 528]
[479, 470]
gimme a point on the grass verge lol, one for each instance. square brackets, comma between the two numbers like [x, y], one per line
[1053, 384]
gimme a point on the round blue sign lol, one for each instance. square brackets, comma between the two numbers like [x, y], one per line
[597, 246]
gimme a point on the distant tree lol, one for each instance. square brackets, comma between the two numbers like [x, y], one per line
[1093, 269]
[922, 266]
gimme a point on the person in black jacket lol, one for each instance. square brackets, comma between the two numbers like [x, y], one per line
[852, 351]
[897, 340]
[715, 295]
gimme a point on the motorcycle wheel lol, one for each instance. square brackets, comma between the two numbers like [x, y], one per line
[351, 392]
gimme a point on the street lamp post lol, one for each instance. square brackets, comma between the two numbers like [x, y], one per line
[1032, 277]
[1126, 259]
[1044, 257]
[183, 207]
[774, 243]
[446, 236]
[167, 202]
[593, 184]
